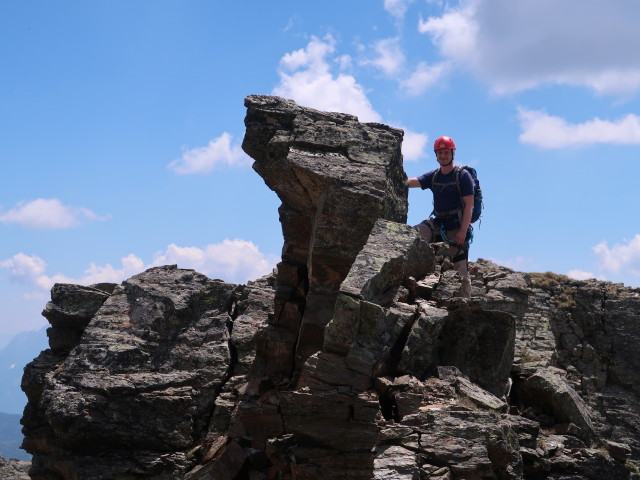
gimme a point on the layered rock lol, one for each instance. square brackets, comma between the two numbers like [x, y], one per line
[353, 361]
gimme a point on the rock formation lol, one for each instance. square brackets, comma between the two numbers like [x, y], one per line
[353, 360]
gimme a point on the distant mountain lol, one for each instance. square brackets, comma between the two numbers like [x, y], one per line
[11, 437]
[20, 350]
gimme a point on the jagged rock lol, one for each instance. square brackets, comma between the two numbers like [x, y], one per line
[393, 254]
[420, 354]
[353, 361]
[618, 451]
[70, 310]
[471, 444]
[395, 463]
[368, 328]
[479, 397]
[548, 391]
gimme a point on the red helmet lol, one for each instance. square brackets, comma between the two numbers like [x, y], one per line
[444, 143]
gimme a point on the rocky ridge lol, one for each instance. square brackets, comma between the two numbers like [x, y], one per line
[353, 360]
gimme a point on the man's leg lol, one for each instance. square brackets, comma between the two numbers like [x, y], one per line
[462, 267]
[459, 255]
[460, 258]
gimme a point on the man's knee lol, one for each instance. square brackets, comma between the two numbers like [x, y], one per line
[425, 230]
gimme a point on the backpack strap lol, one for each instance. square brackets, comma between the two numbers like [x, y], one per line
[457, 179]
[433, 181]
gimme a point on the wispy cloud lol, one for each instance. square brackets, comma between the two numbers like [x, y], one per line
[548, 131]
[397, 8]
[424, 77]
[219, 152]
[389, 56]
[48, 214]
[306, 76]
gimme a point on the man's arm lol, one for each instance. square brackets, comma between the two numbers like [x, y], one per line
[413, 183]
[466, 219]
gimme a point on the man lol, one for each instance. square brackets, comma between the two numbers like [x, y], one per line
[452, 208]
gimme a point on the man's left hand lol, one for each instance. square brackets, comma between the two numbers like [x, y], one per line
[461, 237]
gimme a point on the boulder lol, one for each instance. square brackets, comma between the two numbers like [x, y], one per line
[550, 393]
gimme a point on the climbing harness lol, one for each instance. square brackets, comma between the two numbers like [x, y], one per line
[468, 238]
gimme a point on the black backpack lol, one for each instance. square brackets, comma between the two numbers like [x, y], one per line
[478, 204]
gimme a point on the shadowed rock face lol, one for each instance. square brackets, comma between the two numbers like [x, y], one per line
[352, 361]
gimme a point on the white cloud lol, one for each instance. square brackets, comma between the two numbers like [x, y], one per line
[30, 269]
[424, 77]
[130, 265]
[620, 258]
[236, 261]
[515, 46]
[218, 152]
[455, 32]
[414, 145]
[47, 214]
[389, 56]
[547, 131]
[25, 268]
[306, 77]
[397, 8]
[582, 275]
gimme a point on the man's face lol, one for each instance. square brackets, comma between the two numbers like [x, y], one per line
[444, 157]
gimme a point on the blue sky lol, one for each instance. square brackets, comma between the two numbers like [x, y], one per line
[121, 125]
